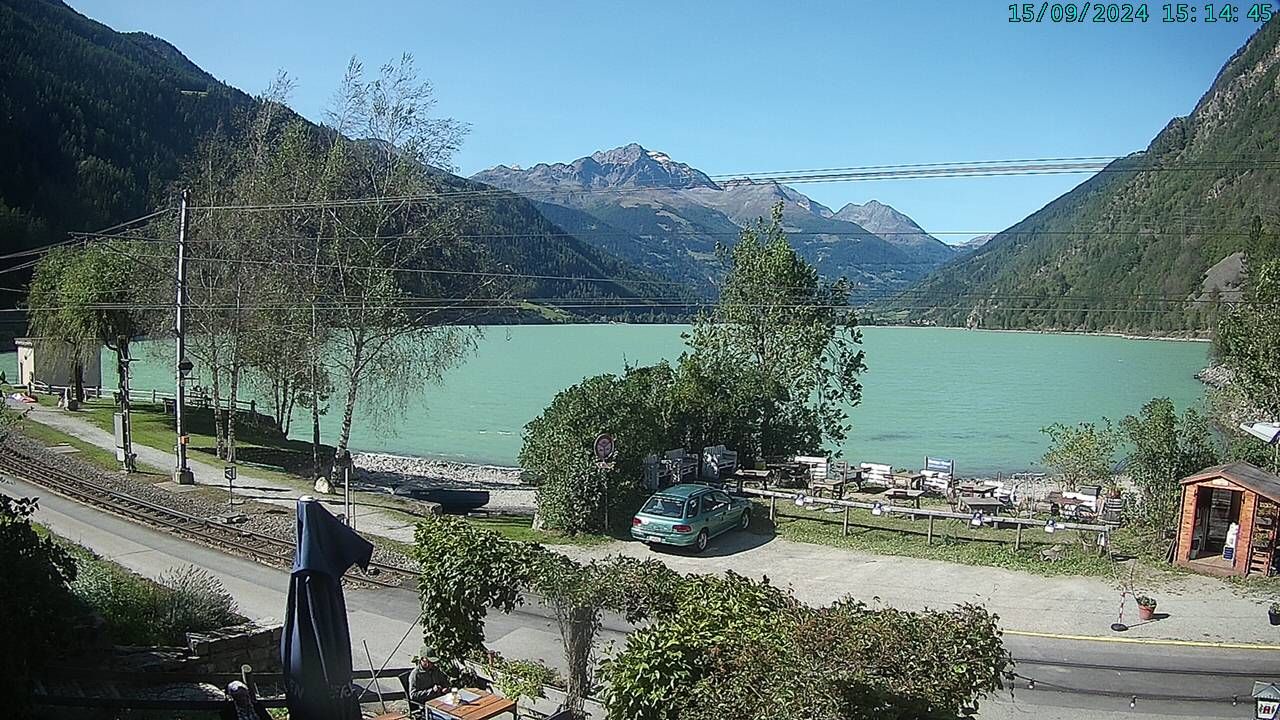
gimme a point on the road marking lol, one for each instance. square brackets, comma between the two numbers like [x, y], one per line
[1146, 641]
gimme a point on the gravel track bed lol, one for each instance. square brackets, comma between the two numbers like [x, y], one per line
[264, 518]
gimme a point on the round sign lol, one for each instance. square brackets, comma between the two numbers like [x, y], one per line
[604, 447]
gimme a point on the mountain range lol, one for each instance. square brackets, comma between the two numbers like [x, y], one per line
[669, 217]
[1148, 243]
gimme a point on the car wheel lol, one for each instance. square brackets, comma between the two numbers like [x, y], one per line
[701, 542]
[745, 522]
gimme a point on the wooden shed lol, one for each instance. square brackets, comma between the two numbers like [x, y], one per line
[1228, 521]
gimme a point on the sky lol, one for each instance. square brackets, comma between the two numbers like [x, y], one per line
[736, 87]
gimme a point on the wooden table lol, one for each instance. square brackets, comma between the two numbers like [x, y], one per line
[904, 494]
[978, 490]
[763, 477]
[974, 502]
[834, 485]
[909, 481]
[485, 706]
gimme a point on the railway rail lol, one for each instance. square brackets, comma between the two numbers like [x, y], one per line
[261, 547]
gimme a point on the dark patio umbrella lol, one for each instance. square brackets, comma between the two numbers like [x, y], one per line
[316, 648]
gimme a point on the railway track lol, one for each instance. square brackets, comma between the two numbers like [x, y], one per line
[261, 547]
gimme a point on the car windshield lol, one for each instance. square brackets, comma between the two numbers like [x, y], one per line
[664, 507]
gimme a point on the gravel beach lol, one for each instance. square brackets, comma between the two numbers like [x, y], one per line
[381, 471]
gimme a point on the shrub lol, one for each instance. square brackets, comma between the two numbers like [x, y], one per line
[138, 611]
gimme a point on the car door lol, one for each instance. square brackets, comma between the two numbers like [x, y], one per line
[715, 506]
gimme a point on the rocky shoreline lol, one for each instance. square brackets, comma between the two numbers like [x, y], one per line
[395, 473]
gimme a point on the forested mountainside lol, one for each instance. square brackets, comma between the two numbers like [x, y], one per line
[1128, 249]
[95, 124]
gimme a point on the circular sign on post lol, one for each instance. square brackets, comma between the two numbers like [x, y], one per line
[604, 447]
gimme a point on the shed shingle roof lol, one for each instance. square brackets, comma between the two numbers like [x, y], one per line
[1243, 474]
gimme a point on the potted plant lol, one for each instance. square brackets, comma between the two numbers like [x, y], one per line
[1146, 607]
[1273, 613]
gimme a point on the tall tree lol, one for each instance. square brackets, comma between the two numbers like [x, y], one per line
[787, 336]
[1083, 454]
[390, 319]
[1166, 447]
[83, 297]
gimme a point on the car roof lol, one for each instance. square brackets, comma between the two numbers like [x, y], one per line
[684, 490]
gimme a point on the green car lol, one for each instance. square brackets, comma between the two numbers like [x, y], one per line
[689, 514]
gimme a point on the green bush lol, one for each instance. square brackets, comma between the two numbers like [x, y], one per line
[138, 611]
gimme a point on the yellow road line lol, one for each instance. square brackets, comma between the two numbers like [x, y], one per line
[1145, 641]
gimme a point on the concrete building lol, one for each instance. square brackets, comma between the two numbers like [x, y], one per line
[53, 363]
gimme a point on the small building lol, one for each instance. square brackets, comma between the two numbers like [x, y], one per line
[53, 363]
[1227, 524]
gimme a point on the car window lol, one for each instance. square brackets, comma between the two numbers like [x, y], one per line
[663, 507]
[693, 509]
[711, 502]
[720, 497]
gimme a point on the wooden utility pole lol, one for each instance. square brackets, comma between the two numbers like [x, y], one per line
[181, 473]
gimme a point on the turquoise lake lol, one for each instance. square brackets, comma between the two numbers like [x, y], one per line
[979, 397]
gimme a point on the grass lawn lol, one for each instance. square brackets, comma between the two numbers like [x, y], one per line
[258, 442]
[953, 540]
[520, 527]
[90, 453]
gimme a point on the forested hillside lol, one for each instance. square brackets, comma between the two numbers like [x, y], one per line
[1129, 248]
[95, 126]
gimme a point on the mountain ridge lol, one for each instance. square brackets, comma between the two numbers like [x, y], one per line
[676, 215]
[1142, 233]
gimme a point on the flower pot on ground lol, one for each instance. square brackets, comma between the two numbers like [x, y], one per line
[1273, 613]
[1146, 607]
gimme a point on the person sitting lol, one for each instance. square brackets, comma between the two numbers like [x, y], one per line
[242, 704]
[426, 680]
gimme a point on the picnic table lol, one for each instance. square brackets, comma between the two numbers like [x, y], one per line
[472, 704]
[977, 490]
[909, 495]
[909, 481]
[832, 485]
[761, 477]
[982, 504]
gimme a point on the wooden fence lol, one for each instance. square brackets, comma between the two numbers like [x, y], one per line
[928, 513]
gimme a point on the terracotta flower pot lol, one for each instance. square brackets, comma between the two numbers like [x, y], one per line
[1146, 612]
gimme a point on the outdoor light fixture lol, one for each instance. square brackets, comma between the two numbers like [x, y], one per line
[1133, 702]
[877, 509]
[976, 520]
[1050, 526]
[1031, 683]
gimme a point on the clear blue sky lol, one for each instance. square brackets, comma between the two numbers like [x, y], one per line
[739, 86]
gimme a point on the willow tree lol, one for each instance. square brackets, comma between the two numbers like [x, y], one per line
[779, 354]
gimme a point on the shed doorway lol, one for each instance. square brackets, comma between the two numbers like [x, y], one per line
[1217, 509]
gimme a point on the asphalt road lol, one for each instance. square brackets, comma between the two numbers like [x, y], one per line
[1073, 679]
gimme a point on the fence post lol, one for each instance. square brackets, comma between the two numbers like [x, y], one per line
[773, 504]
[845, 531]
[153, 396]
[1017, 539]
[928, 538]
[253, 407]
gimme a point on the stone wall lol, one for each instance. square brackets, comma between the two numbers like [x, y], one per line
[226, 649]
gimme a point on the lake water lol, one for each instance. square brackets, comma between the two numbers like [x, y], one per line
[976, 396]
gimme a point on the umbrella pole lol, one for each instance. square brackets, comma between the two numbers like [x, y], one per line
[376, 687]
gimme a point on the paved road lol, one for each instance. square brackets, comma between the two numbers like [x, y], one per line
[382, 618]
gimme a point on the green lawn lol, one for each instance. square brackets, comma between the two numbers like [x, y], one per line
[953, 540]
[258, 442]
[90, 453]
